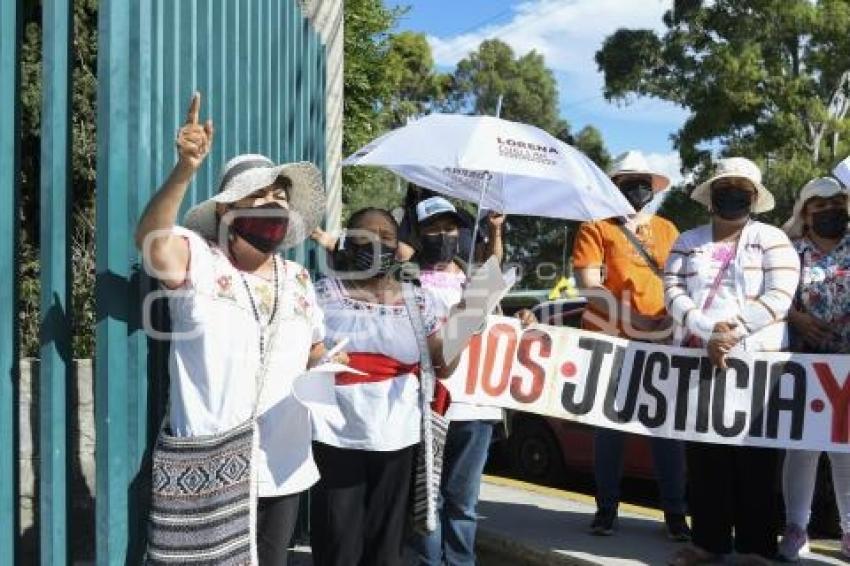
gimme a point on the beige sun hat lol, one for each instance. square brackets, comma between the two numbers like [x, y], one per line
[634, 163]
[741, 168]
[246, 174]
[823, 187]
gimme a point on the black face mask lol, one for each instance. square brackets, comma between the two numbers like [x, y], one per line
[830, 224]
[361, 257]
[637, 191]
[265, 233]
[438, 248]
[731, 204]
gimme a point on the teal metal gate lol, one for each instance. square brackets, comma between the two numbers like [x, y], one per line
[261, 66]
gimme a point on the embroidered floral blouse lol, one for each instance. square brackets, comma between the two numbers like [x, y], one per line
[825, 287]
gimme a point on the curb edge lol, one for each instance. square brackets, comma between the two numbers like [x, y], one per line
[523, 553]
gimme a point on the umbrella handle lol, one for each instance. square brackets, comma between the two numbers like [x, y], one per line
[475, 228]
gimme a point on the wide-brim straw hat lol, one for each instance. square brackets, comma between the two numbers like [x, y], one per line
[740, 168]
[246, 174]
[634, 163]
[824, 187]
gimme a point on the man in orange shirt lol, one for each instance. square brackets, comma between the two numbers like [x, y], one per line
[619, 264]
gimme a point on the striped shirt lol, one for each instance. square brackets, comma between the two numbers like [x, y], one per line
[758, 287]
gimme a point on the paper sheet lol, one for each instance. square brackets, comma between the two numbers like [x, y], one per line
[314, 390]
[485, 288]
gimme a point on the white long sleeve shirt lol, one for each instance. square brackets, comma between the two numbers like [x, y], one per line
[756, 291]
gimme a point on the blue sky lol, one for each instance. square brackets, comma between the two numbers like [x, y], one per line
[568, 33]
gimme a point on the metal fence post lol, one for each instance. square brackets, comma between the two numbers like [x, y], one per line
[10, 107]
[56, 364]
[111, 296]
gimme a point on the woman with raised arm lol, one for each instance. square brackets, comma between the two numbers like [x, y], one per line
[245, 323]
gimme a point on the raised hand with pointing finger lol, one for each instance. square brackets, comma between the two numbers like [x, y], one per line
[194, 140]
[166, 253]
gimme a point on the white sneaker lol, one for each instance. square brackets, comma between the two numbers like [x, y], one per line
[794, 541]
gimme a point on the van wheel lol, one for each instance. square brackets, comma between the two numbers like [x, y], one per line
[535, 453]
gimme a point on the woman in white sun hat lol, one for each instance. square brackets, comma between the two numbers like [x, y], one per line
[245, 324]
[820, 320]
[728, 286]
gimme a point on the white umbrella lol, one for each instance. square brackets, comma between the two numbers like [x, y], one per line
[503, 166]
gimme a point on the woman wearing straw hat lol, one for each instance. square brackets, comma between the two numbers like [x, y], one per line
[820, 318]
[729, 285]
[245, 324]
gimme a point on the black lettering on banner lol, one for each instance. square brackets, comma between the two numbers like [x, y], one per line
[742, 380]
[706, 376]
[599, 349]
[796, 404]
[609, 406]
[685, 365]
[660, 360]
[757, 399]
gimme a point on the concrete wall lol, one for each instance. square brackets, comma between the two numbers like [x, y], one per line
[81, 450]
[327, 18]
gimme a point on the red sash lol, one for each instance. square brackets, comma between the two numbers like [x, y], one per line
[379, 367]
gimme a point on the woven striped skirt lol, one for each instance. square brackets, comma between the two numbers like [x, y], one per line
[202, 501]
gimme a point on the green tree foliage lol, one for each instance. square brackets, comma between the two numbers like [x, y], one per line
[392, 79]
[767, 79]
[416, 87]
[529, 94]
[366, 87]
[527, 87]
[589, 140]
[83, 170]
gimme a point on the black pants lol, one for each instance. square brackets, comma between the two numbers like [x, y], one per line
[358, 510]
[276, 517]
[733, 487]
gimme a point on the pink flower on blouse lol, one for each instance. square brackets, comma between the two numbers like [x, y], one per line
[722, 252]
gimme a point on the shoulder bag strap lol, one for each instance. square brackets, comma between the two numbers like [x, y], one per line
[638, 245]
[425, 364]
[712, 291]
[715, 285]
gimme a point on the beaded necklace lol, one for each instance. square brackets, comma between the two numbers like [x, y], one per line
[256, 311]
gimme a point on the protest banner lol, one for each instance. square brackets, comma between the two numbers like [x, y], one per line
[770, 399]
